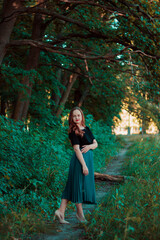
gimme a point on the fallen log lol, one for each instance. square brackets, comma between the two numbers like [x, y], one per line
[106, 177]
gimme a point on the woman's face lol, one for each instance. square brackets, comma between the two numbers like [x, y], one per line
[77, 117]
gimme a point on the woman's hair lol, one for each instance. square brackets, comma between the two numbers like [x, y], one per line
[73, 126]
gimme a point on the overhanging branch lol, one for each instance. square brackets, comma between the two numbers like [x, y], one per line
[51, 48]
[81, 54]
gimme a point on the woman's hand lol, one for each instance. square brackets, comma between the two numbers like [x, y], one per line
[85, 170]
[85, 148]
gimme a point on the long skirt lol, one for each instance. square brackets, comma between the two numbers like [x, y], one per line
[80, 188]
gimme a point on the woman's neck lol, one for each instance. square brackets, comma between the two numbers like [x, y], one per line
[80, 126]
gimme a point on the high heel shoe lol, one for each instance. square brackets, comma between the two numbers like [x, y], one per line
[80, 219]
[60, 218]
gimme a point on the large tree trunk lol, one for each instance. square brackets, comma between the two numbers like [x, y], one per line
[22, 105]
[72, 79]
[7, 24]
[3, 106]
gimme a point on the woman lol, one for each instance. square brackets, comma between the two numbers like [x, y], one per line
[80, 186]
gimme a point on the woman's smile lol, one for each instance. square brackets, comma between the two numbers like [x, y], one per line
[77, 117]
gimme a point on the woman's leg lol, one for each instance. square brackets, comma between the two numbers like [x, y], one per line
[80, 212]
[59, 213]
[63, 206]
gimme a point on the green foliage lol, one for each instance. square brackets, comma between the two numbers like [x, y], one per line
[34, 162]
[32, 167]
[107, 145]
[132, 210]
[127, 34]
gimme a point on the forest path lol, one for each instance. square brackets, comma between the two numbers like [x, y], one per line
[75, 230]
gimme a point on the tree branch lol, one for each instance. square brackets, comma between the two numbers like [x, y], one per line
[50, 48]
[15, 13]
[69, 70]
[74, 53]
[108, 8]
[47, 12]
[147, 55]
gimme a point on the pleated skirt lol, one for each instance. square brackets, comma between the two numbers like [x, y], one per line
[80, 188]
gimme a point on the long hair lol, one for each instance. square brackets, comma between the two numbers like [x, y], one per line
[73, 126]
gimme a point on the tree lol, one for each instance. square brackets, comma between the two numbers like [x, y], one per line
[22, 104]
[8, 20]
[101, 33]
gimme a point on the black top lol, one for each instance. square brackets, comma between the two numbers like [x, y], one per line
[85, 140]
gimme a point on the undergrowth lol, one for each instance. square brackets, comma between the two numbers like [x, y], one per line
[132, 210]
[34, 164]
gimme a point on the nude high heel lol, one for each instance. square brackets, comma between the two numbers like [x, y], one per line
[58, 214]
[80, 219]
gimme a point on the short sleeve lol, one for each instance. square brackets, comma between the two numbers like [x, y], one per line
[90, 133]
[74, 138]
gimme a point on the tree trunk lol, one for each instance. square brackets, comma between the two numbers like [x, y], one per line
[7, 23]
[3, 106]
[55, 97]
[144, 126]
[64, 82]
[106, 177]
[73, 78]
[84, 95]
[22, 105]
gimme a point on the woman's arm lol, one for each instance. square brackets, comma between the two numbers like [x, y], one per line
[94, 144]
[81, 159]
[86, 148]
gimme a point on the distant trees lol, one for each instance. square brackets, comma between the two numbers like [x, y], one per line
[78, 53]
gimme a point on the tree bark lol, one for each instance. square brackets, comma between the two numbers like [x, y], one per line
[3, 106]
[72, 79]
[84, 95]
[64, 82]
[22, 104]
[7, 23]
[106, 177]
[55, 97]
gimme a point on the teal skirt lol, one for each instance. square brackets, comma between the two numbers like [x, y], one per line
[80, 188]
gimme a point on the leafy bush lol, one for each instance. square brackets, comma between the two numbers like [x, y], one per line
[34, 162]
[107, 144]
[32, 167]
[132, 210]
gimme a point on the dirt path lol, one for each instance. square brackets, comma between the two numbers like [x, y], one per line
[74, 230]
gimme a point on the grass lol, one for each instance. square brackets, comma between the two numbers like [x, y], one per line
[132, 210]
[33, 171]
[16, 224]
